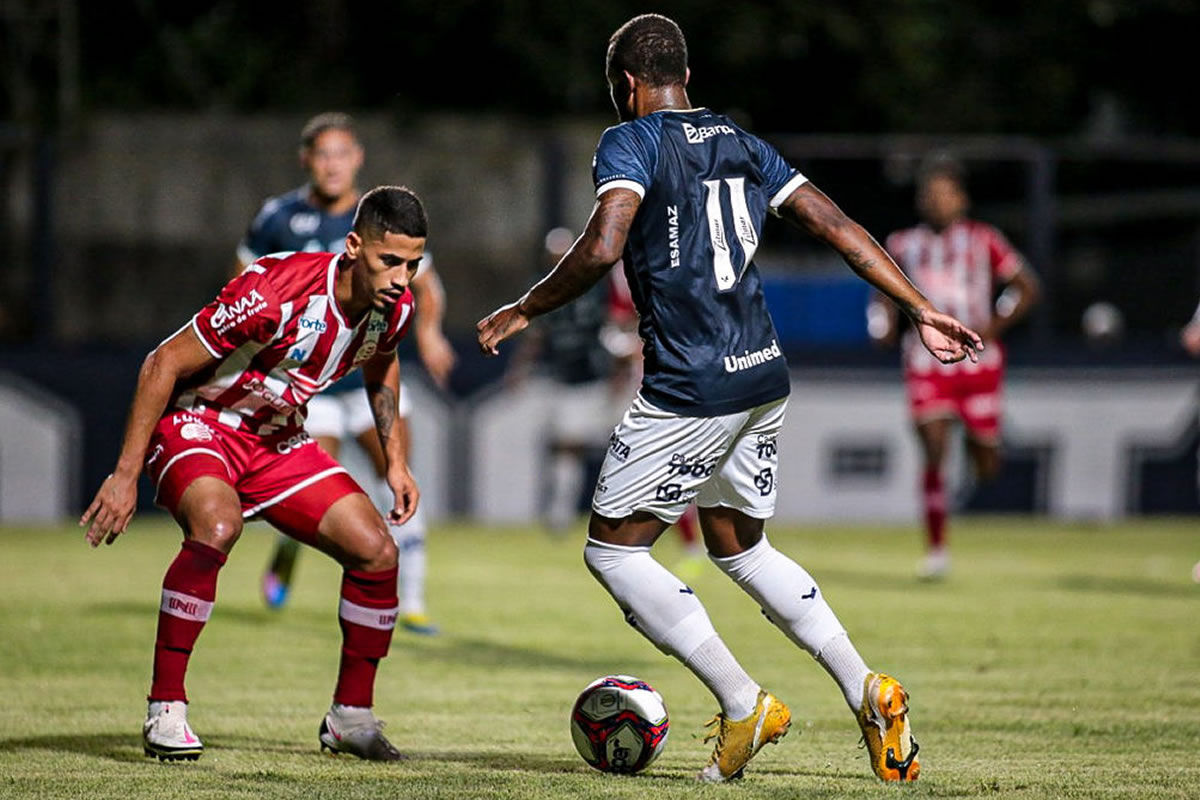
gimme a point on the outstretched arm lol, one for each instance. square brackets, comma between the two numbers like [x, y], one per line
[944, 336]
[114, 503]
[589, 259]
[382, 376]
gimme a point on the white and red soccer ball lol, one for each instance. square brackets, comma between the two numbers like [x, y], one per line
[619, 724]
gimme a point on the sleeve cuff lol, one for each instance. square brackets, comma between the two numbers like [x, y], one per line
[632, 186]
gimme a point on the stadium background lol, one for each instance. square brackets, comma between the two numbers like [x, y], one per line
[129, 167]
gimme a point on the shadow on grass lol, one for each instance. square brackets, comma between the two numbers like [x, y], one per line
[484, 653]
[1120, 585]
[245, 615]
[123, 746]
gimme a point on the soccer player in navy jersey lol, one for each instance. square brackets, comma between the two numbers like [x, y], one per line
[316, 217]
[682, 193]
[217, 421]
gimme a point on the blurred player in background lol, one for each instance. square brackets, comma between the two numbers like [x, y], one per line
[218, 420]
[317, 217]
[681, 197]
[585, 401]
[960, 264]
[1189, 337]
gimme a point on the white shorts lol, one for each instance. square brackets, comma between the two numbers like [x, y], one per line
[659, 462]
[344, 414]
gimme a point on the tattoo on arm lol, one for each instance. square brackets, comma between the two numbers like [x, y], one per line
[383, 405]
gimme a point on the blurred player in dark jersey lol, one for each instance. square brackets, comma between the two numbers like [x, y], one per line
[681, 197]
[968, 268]
[317, 217]
[217, 421]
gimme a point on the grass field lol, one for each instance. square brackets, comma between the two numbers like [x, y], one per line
[1058, 662]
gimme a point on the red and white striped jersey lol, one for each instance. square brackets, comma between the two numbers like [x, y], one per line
[282, 338]
[959, 270]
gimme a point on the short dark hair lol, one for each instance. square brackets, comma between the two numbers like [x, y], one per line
[941, 165]
[651, 48]
[390, 209]
[327, 121]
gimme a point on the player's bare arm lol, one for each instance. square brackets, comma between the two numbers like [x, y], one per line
[382, 376]
[110, 511]
[589, 259]
[432, 345]
[1020, 295]
[944, 336]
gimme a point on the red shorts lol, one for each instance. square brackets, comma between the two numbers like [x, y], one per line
[973, 394]
[285, 478]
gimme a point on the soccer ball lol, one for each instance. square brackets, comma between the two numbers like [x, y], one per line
[619, 724]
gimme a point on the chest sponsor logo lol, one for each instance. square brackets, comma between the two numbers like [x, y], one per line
[752, 358]
[312, 324]
[304, 224]
[696, 135]
[228, 315]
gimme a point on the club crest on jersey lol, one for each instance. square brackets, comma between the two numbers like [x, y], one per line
[196, 432]
[304, 224]
[228, 315]
[749, 358]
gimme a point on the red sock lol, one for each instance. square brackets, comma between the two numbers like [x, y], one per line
[189, 588]
[933, 497]
[367, 615]
[687, 526]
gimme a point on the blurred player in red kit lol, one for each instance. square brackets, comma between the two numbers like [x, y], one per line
[960, 264]
[217, 421]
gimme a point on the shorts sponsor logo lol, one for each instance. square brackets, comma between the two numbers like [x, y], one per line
[669, 493]
[690, 466]
[158, 451]
[752, 358]
[229, 315]
[313, 324]
[768, 445]
[764, 481]
[196, 432]
[294, 442]
[696, 135]
[620, 451]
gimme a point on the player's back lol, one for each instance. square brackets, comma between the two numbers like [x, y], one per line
[706, 186]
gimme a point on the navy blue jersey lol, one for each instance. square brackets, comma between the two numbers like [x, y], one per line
[290, 223]
[706, 186]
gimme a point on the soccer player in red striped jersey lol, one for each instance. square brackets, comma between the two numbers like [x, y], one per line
[217, 421]
[960, 264]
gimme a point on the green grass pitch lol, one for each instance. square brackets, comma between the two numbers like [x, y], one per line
[1058, 661]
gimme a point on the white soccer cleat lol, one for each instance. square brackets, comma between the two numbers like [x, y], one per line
[166, 734]
[935, 566]
[354, 730]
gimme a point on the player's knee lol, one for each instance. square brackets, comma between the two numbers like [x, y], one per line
[377, 552]
[218, 530]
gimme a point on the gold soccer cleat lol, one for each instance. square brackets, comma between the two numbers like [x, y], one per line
[884, 722]
[739, 740]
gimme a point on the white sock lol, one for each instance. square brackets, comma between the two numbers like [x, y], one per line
[566, 482]
[792, 601]
[664, 610]
[410, 546]
[842, 661]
